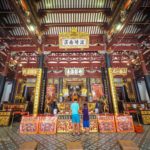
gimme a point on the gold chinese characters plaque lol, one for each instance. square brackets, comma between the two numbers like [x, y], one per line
[73, 39]
[119, 71]
[29, 71]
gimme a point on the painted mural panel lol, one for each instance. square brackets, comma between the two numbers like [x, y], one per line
[51, 90]
[97, 91]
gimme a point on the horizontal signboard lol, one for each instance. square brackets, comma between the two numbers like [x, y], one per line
[73, 39]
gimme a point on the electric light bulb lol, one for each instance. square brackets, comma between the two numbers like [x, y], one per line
[31, 28]
[119, 26]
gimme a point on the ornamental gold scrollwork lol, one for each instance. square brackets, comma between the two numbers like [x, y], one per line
[113, 91]
[37, 92]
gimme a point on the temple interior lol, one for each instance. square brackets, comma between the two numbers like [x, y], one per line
[56, 52]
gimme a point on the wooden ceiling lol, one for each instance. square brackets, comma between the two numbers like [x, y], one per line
[100, 18]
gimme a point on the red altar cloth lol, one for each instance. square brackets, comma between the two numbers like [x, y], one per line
[106, 123]
[47, 125]
[124, 123]
[39, 124]
[29, 125]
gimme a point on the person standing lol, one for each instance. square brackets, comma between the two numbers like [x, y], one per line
[86, 122]
[99, 106]
[75, 117]
[54, 107]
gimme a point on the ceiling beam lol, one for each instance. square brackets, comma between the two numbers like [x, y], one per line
[15, 37]
[129, 35]
[54, 49]
[51, 39]
[9, 26]
[124, 48]
[54, 41]
[24, 48]
[139, 23]
[73, 24]
[62, 65]
[115, 65]
[73, 10]
[57, 49]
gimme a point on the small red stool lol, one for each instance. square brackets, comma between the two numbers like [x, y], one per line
[138, 128]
